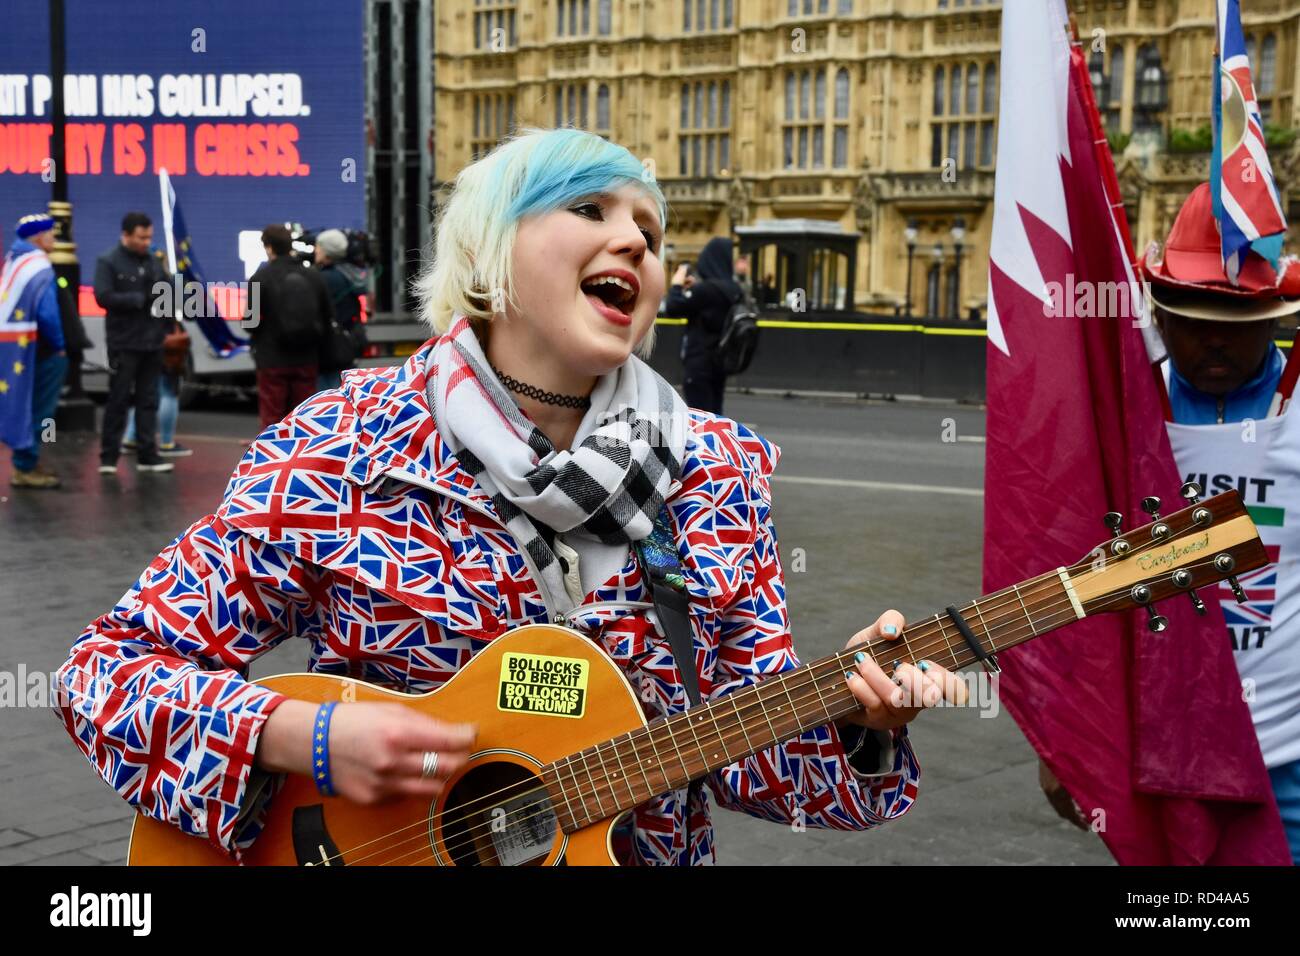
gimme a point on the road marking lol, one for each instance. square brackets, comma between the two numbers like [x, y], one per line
[882, 486]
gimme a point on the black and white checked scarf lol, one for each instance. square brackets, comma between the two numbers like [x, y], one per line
[603, 494]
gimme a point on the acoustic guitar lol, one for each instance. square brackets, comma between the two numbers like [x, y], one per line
[564, 749]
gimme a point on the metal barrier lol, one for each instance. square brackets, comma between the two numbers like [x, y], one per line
[873, 356]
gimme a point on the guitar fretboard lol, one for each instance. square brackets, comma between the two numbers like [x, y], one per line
[669, 752]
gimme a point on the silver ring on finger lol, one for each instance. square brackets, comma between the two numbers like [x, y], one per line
[430, 766]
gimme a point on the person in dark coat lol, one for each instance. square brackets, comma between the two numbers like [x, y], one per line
[295, 309]
[347, 284]
[125, 277]
[704, 302]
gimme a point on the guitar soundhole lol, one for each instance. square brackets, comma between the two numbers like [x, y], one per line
[499, 814]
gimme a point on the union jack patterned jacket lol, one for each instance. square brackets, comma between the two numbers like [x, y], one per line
[351, 525]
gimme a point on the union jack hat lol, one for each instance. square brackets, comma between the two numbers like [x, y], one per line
[1185, 275]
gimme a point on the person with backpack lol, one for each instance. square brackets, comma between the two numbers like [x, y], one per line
[294, 314]
[347, 284]
[720, 328]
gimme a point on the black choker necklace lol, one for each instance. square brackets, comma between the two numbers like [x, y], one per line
[532, 391]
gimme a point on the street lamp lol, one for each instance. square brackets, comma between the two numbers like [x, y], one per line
[910, 234]
[958, 234]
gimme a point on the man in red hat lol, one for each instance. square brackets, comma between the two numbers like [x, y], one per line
[1230, 427]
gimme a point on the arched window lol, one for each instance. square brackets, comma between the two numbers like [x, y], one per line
[726, 103]
[789, 96]
[803, 94]
[991, 88]
[972, 88]
[1116, 74]
[602, 107]
[842, 94]
[603, 16]
[954, 91]
[819, 94]
[938, 91]
[699, 105]
[686, 15]
[713, 105]
[686, 106]
[1267, 64]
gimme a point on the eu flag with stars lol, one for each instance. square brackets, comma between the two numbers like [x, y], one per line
[21, 284]
[211, 322]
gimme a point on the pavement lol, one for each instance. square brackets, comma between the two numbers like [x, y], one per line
[876, 505]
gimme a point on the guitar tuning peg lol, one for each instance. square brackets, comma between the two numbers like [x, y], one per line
[1197, 604]
[1156, 622]
[1237, 592]
[1151, 506]
[1191, 492]
[1113, 520]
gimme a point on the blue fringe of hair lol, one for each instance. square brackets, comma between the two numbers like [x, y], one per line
[566, 164]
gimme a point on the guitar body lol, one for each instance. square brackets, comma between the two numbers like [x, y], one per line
[535, 671]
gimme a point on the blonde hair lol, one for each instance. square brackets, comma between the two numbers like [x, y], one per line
[535, 171]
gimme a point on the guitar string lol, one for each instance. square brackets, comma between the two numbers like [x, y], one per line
[606, 779]
[747, 698]
[1066, 616]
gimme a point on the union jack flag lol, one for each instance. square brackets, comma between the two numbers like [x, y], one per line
[1261, 593]
[1241, 179]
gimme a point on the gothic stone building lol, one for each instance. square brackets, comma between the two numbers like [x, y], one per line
[878, 117]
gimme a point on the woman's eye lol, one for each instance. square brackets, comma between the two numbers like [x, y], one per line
[592, 210]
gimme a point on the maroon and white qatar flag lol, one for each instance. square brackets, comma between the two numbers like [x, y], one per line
[1149, 732]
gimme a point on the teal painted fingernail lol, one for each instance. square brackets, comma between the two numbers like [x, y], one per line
[848, 675]
[923, 666]
[859, 657]
[890, 629]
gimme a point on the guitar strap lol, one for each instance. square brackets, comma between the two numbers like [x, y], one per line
[661, 568]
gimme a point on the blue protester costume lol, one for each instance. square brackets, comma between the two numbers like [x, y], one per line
[23, 420]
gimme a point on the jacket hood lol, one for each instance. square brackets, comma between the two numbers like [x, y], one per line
[715, 259]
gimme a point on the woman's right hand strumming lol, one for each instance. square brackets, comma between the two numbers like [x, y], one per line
[376, 750]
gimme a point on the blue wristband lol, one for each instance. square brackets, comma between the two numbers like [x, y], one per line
[320, 749]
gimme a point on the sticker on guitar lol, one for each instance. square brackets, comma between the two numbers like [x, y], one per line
[536, 684]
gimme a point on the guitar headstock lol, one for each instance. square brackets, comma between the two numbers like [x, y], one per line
[1204, 543]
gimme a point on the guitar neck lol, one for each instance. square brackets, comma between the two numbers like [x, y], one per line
[625, 772]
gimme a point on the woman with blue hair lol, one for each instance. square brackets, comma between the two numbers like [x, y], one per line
[525, 466]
